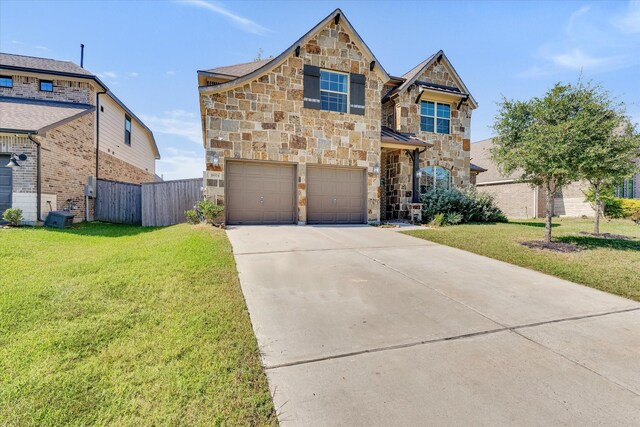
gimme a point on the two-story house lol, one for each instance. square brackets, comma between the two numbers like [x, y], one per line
[59, 125]
[323, 134]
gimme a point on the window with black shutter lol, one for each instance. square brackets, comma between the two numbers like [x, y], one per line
[357, 94]
[311, 90]
[333, 91]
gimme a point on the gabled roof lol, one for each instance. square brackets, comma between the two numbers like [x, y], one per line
[239, 70]
[411, 77]
[271, 64]
[20, 115]
[9, 61]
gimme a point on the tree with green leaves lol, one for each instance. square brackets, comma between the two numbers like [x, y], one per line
[606, 143]
[535, 140]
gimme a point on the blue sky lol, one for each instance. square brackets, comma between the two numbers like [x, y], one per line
[148, 51]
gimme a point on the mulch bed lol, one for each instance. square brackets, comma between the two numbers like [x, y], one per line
[553, 246]
[606, 235]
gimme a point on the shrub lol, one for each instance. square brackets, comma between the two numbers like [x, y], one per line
[13, 216]
[630, 209]
[209, 212]
[610, 203]
[192, 216]
[462, 206]
[438, 220]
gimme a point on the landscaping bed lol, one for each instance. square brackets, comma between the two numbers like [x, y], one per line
[609, 264]
[117, 325]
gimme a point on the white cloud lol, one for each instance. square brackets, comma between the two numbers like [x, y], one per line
[41, 47]
[133, 74]
[180, 164]
[241, 22]
[575, 15]
[630, 21]
[109, 74]
[171, 73]
[176, 122]
[576, 59]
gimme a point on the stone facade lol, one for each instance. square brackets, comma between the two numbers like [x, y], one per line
[450, 151]
[63, 90]
[265, 120]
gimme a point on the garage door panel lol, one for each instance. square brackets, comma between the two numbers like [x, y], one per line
[335, 195]
[260, 193]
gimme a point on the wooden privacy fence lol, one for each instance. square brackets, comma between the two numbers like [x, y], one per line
[149, 204]
[118, 202]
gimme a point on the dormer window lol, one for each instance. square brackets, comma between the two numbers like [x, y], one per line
[46, 85]
[435, 117]
[6, 81]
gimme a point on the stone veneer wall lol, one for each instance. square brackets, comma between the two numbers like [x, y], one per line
[265, 120]
[63, 90]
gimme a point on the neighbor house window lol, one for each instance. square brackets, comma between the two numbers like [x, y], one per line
[333, 91]
[6, 81]
[434, 177]
[127, 130]
[435, 117]
[46, 85]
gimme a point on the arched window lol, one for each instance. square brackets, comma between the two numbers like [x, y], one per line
[434, 177]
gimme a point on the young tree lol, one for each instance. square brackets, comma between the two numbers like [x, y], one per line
[606, 142]
[535, 140]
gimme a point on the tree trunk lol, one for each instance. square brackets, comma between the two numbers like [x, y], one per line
[596, 223]
[549, 214]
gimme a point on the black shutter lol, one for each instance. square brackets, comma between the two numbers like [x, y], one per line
[311, 87]
[357, 94]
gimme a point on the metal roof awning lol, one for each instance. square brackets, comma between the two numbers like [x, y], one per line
[392, 139]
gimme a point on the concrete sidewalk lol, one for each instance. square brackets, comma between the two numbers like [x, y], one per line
[367, 326]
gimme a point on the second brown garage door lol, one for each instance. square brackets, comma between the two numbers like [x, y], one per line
[260, 193]
[335, 195]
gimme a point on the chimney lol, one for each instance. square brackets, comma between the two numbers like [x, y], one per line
[81, 56]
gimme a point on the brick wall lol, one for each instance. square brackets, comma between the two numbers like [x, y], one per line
[68, 159]
[515, 199]
[63, 90]
[265, 120]
[118, 170]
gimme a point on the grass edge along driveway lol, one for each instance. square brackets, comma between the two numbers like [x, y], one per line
[117, 325]
[611, 265]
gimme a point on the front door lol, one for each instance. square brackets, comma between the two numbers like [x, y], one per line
[6, 184]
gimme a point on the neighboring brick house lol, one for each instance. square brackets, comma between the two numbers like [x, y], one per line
[518, 199]
[60, 122]
[323, 134]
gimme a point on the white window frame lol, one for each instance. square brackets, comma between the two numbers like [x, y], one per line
[435, 116]
[333, 91]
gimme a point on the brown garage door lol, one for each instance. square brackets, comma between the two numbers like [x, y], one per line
[260, 193]
[335, 195]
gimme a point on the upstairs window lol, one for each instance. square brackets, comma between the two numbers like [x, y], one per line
[435, 117]
[333, 91]
[127, 130]
[46, 85]
[6, 81]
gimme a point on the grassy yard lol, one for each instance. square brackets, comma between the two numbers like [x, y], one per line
[611, 265]
[126, 326]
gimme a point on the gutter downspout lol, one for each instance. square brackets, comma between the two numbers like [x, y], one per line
[38, 178]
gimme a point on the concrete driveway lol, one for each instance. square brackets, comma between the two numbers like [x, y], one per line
[367, 326]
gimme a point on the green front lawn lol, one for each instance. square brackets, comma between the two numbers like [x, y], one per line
[127, 326]
[612, 265]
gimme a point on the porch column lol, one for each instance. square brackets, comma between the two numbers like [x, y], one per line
[414, 179]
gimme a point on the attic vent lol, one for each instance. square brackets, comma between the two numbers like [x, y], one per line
[210, 83]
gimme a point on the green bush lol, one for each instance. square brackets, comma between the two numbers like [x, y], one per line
[630, 209]
[438, 220]
[610, 203]
[192, 216]
[209, 212]
[460, 206]
[13, 216]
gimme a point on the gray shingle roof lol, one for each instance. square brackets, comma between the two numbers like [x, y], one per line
[31, 115]
[43, 64]
[239, 70]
